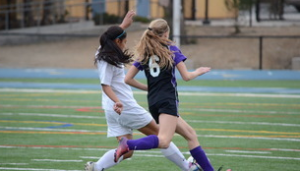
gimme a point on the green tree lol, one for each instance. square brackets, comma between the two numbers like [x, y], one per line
[235, 6]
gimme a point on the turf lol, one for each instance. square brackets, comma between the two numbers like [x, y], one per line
[62, 130]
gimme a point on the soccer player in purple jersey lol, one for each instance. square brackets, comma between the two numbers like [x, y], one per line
[158, 58]
[123, 114]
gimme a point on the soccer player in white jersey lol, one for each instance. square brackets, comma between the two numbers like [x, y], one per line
[123, 114]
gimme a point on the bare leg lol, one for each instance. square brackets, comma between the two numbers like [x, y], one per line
[185, 130]
[167, 128]
[172, 152]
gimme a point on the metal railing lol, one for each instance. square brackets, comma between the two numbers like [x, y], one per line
[58, 8]
[261, 56]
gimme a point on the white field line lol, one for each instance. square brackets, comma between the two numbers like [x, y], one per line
[49, 129]
[282, 149]
[91, 157]
[245, 123]
[32, 169]
[97, 158]
[252, 137]
[54, 115]
[48, 91]
[143, 92]
[239, 111]
[254, 156]
[52, 160]
[240, 95]
[247, 152]
[60, 148]
[13, 164]
[190, 121]
[45, 106]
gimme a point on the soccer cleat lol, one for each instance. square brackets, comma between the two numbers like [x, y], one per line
[89, 166]
[122, 149]
[193, 166]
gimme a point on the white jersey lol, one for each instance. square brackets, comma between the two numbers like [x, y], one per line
[133, 116]
[114, 77]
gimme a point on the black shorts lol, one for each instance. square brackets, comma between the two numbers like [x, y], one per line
[169, 107]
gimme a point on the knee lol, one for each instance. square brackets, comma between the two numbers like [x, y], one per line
[163, 143]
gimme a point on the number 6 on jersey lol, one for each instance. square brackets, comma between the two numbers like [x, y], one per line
[153, 66]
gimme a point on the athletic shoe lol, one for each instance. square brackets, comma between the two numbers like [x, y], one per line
[122, 149]
[193, 166]
[89, 166]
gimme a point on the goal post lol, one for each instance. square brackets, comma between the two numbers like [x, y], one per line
[176, 21]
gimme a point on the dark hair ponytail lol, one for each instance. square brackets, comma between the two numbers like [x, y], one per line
[110, 51]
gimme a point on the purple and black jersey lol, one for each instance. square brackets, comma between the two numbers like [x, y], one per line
[162, 83]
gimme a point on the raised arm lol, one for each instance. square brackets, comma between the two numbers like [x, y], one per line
[187, 75]
[129, 79]
[127, 21]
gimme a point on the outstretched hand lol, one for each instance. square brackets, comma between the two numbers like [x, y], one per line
[127, 19]
[118, 107]
[203, 70]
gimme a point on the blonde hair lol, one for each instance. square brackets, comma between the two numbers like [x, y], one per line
[152, 43]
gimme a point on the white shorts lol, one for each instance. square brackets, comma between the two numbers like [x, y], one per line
[134, 118]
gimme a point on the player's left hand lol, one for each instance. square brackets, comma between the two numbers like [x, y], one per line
[127, 19]
[203, 70]
[118, 107]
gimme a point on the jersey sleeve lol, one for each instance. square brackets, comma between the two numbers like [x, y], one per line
[138, 65]
[105, 72]
[178, 56]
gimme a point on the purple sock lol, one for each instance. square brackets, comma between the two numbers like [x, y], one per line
[144, 143]
[200, 156]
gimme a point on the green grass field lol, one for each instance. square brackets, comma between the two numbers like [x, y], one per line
[63, 129]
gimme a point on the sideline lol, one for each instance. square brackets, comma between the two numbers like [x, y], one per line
[68, 86]
[11, 73]
[93, 73]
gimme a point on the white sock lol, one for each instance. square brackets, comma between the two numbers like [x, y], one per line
[173, 154]
[107, 160]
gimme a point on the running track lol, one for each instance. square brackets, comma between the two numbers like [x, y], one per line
[92, 74]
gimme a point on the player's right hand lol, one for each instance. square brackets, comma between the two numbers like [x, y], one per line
[118, 107]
